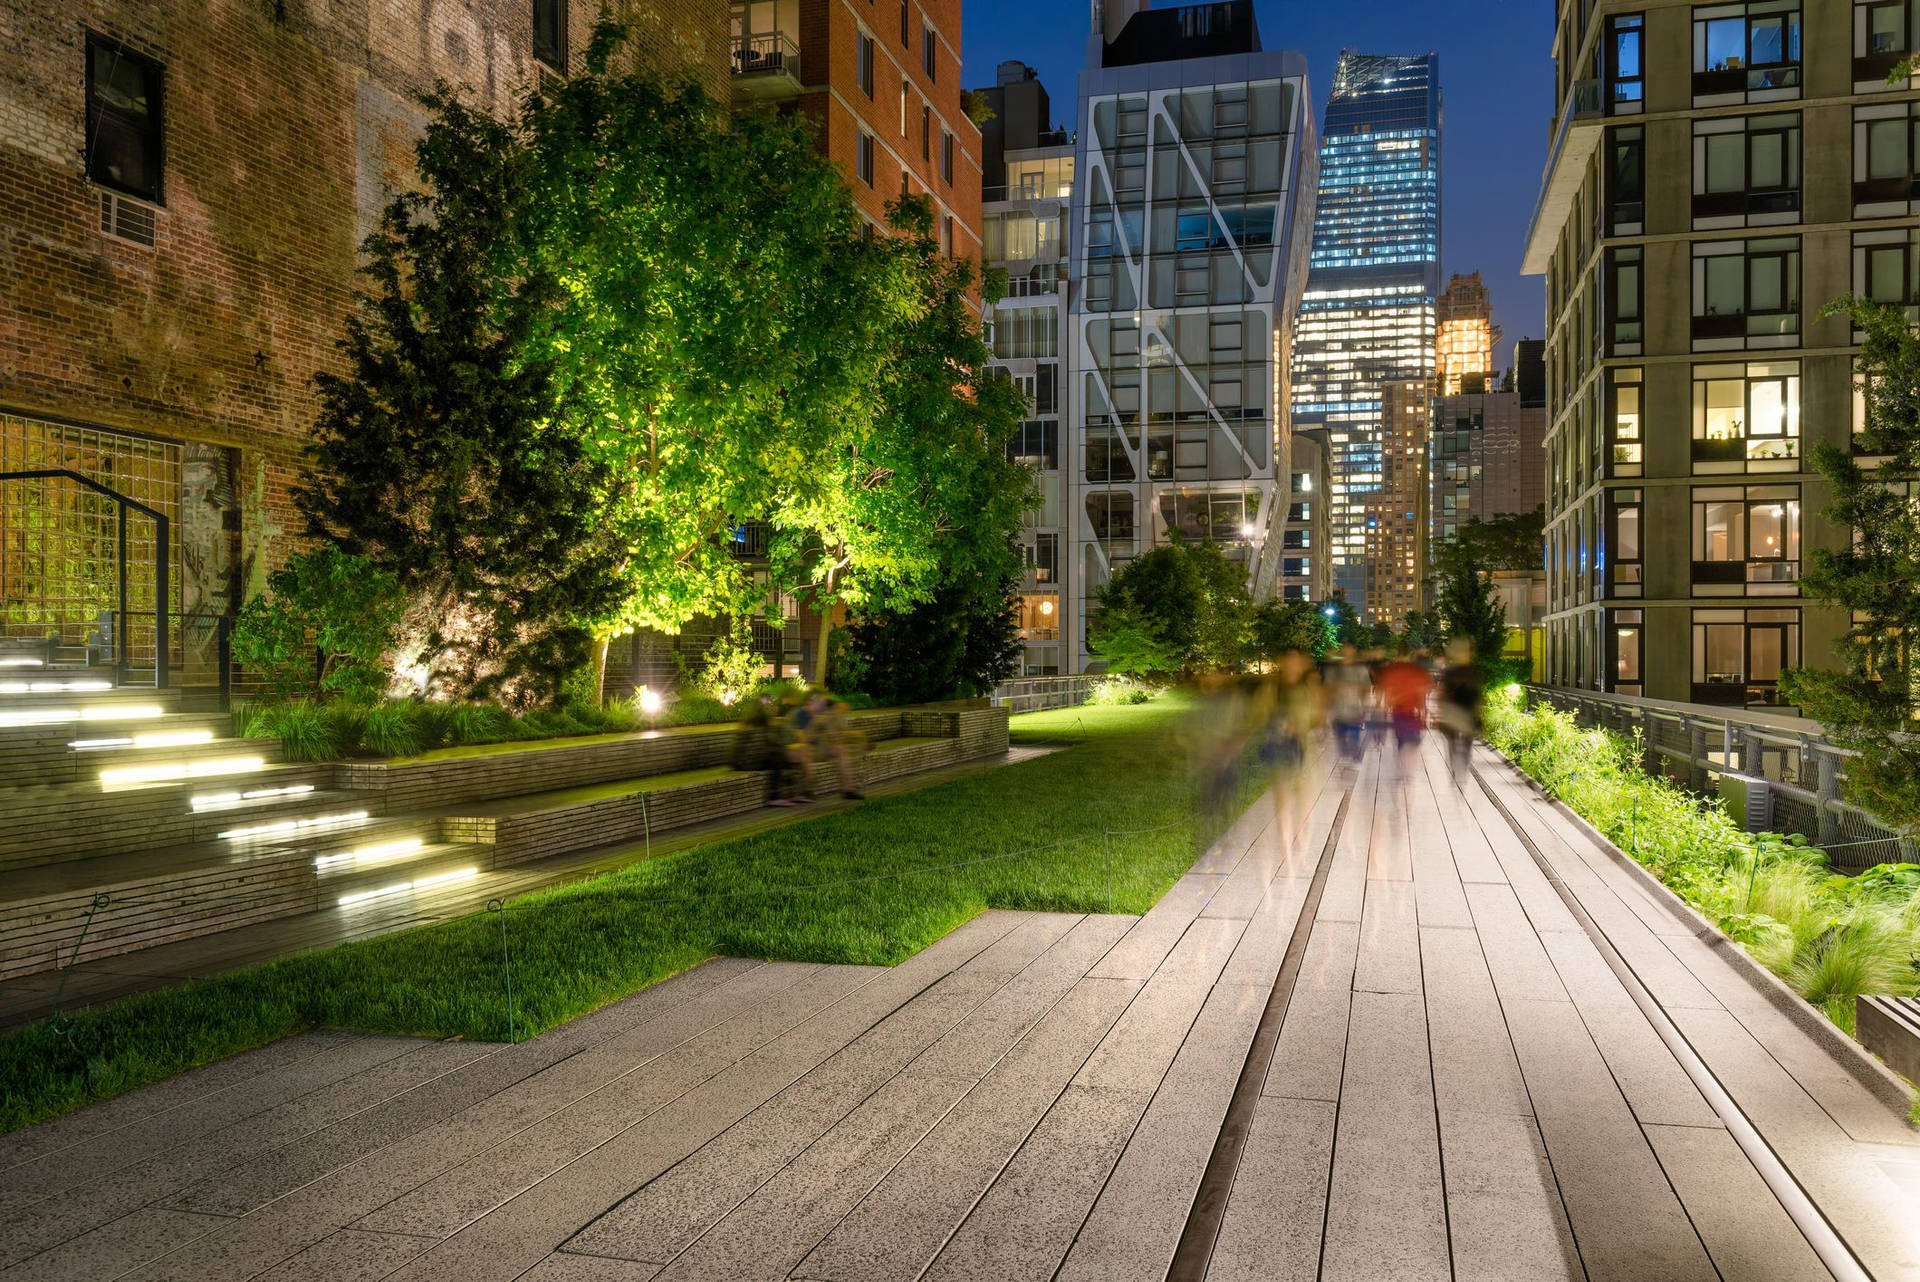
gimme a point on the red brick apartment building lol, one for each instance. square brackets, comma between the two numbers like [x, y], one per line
[881, 80]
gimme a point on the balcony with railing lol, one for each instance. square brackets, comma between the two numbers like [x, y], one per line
[766, 66]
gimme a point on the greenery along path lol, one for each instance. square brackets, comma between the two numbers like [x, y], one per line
[1831, 937]
[870, 885]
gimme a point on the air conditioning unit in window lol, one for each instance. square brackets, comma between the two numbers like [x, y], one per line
[126, 219]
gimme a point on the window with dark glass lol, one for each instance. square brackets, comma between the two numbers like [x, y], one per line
[863, 158]
[946, 157]
[1625, 294]
[906, 27]
[123, 120]
[1886, 159]
[1037, 444]
[1746, 289]
[1885, 267]
[550, 33]
[1747, 49]
[1626, 80]
[1746, 168]
[929, 53]
[863, 67]
[1043, 557]
[1626, 180]
[1882, 38]
[926, 132]
[1111, 515]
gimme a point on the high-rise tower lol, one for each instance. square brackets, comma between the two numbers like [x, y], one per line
[1193, 184]
[1368, 316]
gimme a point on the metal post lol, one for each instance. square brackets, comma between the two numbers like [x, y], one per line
[1828, 798]
[124, 620]
[1106, 838]
[162, 660]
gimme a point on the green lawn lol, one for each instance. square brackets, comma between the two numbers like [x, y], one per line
[874, 884]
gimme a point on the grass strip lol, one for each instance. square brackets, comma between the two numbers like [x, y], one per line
[872, 885]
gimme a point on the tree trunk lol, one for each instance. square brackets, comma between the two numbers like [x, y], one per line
[824, 604]
[600, 672]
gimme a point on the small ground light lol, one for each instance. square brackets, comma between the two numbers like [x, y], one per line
[650, 702]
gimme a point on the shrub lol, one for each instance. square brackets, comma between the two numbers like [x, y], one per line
[327, 624]
[477, 723]
[1116, 691]
[305, 731]
[392, 730]
[1830, 937]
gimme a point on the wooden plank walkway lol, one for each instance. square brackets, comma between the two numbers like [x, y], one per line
[1460, 1083]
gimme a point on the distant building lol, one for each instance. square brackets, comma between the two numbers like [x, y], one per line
[1369, 314]
[1028, 193]
[1194, 172]
[1489, 457]
[1395, 514]
[1466, 337]
[1306, 572]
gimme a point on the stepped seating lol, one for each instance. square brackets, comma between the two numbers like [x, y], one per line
[194, 833]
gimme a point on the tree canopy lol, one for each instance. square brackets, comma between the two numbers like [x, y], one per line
[1871, 704]
[612, 329]
[1176, 610]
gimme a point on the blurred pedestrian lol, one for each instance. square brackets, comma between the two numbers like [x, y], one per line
[1405, 689]
[1292, 708]
[1462, 699]
[835, 734]
[1348, 685]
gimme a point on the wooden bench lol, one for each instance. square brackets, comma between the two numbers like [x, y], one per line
[1890, 1028]
[568, 820]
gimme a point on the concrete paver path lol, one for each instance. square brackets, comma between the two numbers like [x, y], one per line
[1439, 1034]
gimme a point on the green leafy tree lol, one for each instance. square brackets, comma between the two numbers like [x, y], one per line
[960, 644]
[327, 622]
[723, 347]
[1279, 626]
[921, 493]
[437, 457]
[1347, 627]
[1469, 607]
[1871, 704]
[1510, 542]
[1180, 609]
[1421, 631]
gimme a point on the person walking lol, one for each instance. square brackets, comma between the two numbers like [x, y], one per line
[1462, 699]
[1291, 708]
[1405, 689]
[1348, 684]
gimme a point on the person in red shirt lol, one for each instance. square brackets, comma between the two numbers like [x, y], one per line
[1405, 687]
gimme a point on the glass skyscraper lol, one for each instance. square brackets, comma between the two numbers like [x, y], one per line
[1368, 316]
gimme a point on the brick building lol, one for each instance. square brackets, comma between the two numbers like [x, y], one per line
[183, 187]
[881, 82]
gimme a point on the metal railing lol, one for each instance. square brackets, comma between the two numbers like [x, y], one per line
[768, 53]
[1036, 694]
[1782, 767]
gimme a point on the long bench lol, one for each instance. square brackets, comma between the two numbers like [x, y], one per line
[557, 823]
[1890, 1028]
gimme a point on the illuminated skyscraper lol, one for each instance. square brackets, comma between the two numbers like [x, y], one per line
[1467, 336]
[1368, 316]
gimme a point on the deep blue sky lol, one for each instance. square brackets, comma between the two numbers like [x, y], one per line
[1496, 84]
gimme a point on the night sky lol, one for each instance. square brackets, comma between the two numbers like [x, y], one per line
[1496, 85]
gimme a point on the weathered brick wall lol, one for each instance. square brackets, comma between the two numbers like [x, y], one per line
[288, 124]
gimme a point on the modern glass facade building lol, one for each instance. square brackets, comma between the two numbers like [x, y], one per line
[1368, 315]
[1193, 177]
